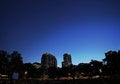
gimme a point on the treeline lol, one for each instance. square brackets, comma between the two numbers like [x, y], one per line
[10, 63]
[109, 67]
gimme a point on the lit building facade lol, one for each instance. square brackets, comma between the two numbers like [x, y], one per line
[48, 60]
[67, 61]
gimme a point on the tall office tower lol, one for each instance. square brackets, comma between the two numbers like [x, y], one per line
[66, 60]
[48, 60]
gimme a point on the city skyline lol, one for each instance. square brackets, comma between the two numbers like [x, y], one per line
[84, 28]
[49, 60]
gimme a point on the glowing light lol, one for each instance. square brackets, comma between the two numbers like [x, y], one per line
[100, 70]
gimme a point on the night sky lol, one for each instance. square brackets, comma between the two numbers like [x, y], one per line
[85, 28]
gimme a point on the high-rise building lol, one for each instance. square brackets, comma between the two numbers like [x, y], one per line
[67, 61]
[48, 60]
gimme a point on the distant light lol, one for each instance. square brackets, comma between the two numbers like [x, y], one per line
[100, 70]
[25, 72]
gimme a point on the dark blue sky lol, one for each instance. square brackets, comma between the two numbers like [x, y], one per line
[85, 28]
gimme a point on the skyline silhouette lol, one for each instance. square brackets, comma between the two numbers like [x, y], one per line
[65, 58]
[14, 71]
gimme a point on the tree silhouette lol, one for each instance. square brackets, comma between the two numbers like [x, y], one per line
[53, 72]
[31, 70]
[3, 61]
[16, 61]
[118, 62]
[96, 66]
[111, 62]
